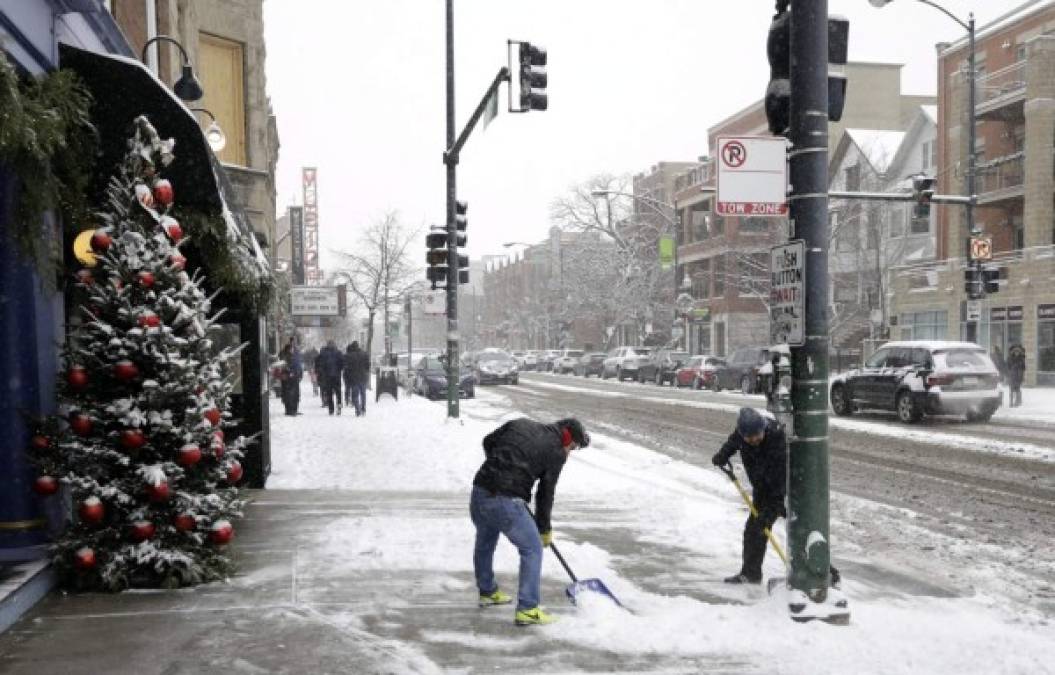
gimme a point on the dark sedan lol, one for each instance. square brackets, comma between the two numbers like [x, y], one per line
[494, 367]
[661, 366]
[430, 380]
[590, 364]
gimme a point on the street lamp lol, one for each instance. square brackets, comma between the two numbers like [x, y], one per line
[214, 134]
[187, 86]
[971, 123]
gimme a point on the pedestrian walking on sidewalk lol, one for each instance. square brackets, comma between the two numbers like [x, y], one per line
[309, 365]
[291, 374]
[764, 452]
[328, 368]
[356, 375]
[1016, 374]
[518, 454]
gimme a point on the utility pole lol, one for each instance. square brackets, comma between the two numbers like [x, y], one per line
[452, 232]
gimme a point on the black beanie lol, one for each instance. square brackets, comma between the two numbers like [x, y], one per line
[575, 428]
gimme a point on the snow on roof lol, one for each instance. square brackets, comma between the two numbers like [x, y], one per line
[933, 345]
[999, 23]
[930, 111]
[877, 145]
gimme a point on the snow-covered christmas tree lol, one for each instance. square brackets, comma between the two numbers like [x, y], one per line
[139, 439]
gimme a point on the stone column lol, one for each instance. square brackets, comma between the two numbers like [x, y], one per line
[1039, 214]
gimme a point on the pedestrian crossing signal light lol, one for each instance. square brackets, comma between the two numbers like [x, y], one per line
[923, 192]
[972, 282]
[778, 91]
[991, 279]
[436, 242]
[533, 78]
[460, 221]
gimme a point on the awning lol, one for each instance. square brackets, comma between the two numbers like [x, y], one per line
[123, 89]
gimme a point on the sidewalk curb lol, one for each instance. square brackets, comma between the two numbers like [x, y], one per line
[20, 594]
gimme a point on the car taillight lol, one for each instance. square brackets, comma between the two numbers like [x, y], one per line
[940, 379]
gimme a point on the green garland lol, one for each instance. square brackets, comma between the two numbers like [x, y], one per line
[228, 269]
[48, 142]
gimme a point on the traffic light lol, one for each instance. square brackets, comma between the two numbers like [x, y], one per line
[461, 222]
[778, 51]
[922, 192]
[972, 278]
[436, 242]
[991, 279]
[533, 79]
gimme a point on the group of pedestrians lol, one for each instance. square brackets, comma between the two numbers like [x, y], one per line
[329, 369]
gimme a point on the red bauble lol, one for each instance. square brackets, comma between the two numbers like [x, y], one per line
[149, 320]
[234, 472]
[221, 532]
[77, 377]
[172, 229]
[163, 192]
[184, 522]
[132, 439]
[145, 279]
[218, 435]
[45, 486]
[81, 424]
[84, 558]
[189, 455]
[177, 261]
[141, 530]
[92, 511]
[39, 442]
[101, 241]
[213, 415]
[125, 371]
[158, 493]
[85, 277]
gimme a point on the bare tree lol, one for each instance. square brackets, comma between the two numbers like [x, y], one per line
[380, 271]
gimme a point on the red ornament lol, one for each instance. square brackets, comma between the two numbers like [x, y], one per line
[141, 530]
[125, 371]
[45, 486]
[218, 435]
[163, 194]
[189, 455]
[91, 511]
[221, 532]
[101, 241]
[145, 279]
[234, 472]
[85, 277]
[132, 439]
[149, 320]
[158, 493]
[185, 522]
[81, 424]
[172, 228]
[177, 261]
[39, 442]
[213, 415]
[77, 377]
[84, 558]
[144, 195]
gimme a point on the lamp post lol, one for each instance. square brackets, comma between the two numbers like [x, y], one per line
[214, 135]
[187, 86]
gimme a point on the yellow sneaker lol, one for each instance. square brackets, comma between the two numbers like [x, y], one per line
[496, 598]
[533, 617]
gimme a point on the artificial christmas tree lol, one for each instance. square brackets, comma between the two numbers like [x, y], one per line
[143, 384]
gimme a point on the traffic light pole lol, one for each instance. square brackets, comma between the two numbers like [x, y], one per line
[452, 233]
[808, 463]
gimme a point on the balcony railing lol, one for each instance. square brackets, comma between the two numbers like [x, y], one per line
[1001, 175]
[1004, 84]
[699, 175]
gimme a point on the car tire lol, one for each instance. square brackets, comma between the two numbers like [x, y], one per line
[659, 379]
[619, 374]
[696, 384]
[471, 393]
[746, 386]
[640, 377]
[906, 408]
[981, 416]
[716, 386]
[841, 403]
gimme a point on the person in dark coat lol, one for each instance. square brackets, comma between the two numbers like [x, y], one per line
[292, 372]
[356, 375]
[763, 450]
[328, 368]
[309, 365]
[1016, 374]
[346, 374]
[518, 454]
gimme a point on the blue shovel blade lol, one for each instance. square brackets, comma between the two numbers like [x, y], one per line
[592, 586]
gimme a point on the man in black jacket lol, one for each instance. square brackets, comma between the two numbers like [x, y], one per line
[328, 367]
[519, 453]
[356, 375]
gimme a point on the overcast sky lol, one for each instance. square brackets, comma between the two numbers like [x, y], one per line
[358, 90]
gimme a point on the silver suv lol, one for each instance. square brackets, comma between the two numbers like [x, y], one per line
[918, 377]
[624, 362]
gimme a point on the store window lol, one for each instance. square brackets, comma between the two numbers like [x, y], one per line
[222, 72]
[924, 325]
[1045, 344]
[1005, 328]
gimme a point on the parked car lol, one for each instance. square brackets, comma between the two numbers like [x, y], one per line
[698, 372]
[660, 366]
[430, 379]
[919, 377]
[741, 370]
[590, 364]
[530, 360]
[623, 362]
[565, 363]
[492, 366]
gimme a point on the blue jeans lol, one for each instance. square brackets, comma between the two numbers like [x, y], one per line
[509, 516]
[359, 397]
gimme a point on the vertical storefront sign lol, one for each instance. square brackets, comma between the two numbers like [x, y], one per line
[312, 273]
[296, 238]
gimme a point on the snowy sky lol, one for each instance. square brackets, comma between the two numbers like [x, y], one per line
[358, 89]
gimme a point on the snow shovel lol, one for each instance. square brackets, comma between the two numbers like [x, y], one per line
[728, 471]
[578, 586]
